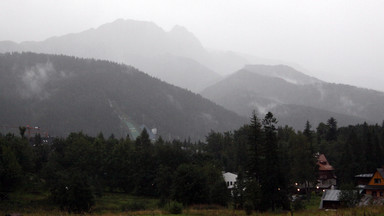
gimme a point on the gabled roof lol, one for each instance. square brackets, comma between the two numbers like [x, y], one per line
[229, 176]
[323, 163]
[331, 195]
[381, 172]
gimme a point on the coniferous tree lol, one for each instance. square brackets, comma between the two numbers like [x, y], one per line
[10, 170]
[303, 162]
[253, 172]
[347, 165]
[332, 129]
[272, 178]
[255, 139]
[145, 166]
[163, 183]
[238, 192]
[309, 134]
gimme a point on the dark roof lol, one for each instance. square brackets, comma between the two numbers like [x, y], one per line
[374, 187]
[323, 163]
[366, 175]
[381, 172]
[330, 196]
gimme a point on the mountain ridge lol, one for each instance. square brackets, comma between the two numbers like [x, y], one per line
[65, 94]
[137, 43]
[249, 89]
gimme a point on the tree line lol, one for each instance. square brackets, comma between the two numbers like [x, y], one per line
[268, 159]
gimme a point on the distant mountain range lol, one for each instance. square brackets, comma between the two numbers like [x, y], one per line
[176, 57]
[63, 94]
[295, 97]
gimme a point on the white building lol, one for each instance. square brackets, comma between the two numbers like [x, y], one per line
[230, 179]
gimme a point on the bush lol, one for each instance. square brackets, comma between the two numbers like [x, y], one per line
[248, 207]
[297, 204]
[176, 208]
[73, 193]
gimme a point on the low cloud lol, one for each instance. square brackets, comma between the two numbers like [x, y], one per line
[35, 78]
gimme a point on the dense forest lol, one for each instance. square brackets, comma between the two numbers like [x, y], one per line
[267, 159]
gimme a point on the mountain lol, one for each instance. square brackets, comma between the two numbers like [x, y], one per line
[63, 94]
[295, 97]
[146, 46]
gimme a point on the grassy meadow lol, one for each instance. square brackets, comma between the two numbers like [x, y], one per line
[38, 204]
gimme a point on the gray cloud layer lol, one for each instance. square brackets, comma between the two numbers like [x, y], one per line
[338, 41]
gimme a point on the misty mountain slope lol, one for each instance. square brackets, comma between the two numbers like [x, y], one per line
[170, 56]
[175, 56]
[267, 88]
[63, 94]
[284, 72]
[178, 71]
[296, 116]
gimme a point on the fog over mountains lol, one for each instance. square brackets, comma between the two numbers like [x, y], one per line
[295, 97]
[176, 57]
[64, 94]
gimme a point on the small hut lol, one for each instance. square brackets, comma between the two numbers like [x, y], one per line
[330, 199]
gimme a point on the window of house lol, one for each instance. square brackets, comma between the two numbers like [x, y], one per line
[231, 183]
[381, 193]
[377, 181]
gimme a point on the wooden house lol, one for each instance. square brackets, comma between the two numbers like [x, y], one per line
[363, 179]
[230, 179]
[330, 199]
[375, 187]
[327, 177]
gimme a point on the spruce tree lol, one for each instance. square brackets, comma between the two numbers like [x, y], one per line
[272, 178]
[254, 139]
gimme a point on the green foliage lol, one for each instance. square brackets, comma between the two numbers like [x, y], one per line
[193, 184]
[10, 170]
[297, 204]
[331, 134]
[134, 206]
[175, 208]
[248, 207]
[189, 186]
[238, 192]
[22, 130]
[163, 183]
[303, 162]
[349, 196]
[73, 192]
[253, 194]
[267, 160]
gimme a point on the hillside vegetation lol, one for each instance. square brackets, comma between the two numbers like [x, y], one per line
[72, 173]
[62, 94]
[295, 97]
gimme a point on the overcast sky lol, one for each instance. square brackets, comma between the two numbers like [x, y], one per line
[339, 41]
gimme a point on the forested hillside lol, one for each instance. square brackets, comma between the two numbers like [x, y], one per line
[269, 160]
[295, 97]
[62, 94]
